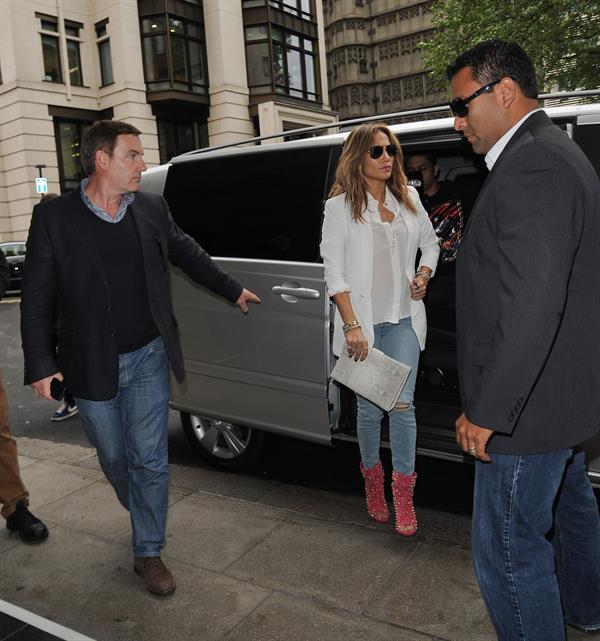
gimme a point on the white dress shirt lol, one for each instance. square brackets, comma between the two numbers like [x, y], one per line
[494, 153]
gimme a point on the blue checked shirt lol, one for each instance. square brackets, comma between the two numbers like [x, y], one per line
[126, 200]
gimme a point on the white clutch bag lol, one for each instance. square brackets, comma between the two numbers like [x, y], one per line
[379, 378]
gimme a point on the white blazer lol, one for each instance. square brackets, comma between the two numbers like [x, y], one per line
[347, 252]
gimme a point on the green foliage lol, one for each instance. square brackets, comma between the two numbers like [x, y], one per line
[561, 36]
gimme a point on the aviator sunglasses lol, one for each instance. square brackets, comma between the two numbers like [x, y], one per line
[459, 105]
[377, 151]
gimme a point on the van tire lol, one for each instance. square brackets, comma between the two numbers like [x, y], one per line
[221, 443]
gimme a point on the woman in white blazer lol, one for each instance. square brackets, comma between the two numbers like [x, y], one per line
[374, 224]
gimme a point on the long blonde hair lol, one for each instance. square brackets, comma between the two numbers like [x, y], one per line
[349, 178]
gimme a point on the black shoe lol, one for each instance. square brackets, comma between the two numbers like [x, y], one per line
[29, 527]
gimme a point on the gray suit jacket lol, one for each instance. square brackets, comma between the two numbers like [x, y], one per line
[528, 296]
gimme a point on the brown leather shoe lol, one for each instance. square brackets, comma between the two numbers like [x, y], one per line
[157, 577]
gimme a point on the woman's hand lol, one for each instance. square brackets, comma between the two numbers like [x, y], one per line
[418, 287]
[356, 344]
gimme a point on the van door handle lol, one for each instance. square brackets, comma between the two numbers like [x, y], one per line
[287, 292]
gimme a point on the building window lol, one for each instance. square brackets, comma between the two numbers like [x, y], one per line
[294, 64]
[176, 138]
[51, 49]
[104, 55]
[285, 63]
[73, 55]
[174, 57]
[300, 8]
[68, 138]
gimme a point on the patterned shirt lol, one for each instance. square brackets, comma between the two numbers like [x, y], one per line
[126, 200]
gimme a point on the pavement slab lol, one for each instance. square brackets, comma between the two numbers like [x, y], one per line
[220, 482]
[436, 593]
[93, 509]
[49, 576]
[338, 564]
[283, 617]
[320, 504]
[204, 607]
[214, 531]
[50, 451]
[48, 481]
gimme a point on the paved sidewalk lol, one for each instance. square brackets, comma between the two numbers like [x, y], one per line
[254, 562]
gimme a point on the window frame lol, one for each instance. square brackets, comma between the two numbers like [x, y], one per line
[81, 125]
[51, 35]
[295, 8]
[170, 37]
[103, 40]
[304, 52]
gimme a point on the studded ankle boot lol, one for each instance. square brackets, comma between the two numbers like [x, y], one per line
[402, 491]
[376, 505]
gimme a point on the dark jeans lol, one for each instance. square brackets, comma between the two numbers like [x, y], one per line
[536, 544]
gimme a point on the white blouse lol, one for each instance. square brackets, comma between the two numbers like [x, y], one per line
[390, 293]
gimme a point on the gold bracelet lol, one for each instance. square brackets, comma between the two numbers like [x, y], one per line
[426, 274]
[346, 327]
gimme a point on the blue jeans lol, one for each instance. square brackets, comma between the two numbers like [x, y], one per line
[399, 341]
[129, 431]
[536, 544]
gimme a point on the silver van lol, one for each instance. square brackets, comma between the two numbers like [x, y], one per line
[257, 209]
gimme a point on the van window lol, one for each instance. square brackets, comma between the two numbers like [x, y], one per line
[265, 205]
[588, 138]
[13, 250]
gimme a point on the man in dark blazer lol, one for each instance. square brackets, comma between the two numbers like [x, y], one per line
[104, 249]
[528, 316]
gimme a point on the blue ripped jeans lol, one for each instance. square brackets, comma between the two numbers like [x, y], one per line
[399, 341]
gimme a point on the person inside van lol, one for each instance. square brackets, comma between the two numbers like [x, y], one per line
[374, 223]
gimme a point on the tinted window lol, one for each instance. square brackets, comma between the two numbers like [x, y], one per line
[588, 138]
[265, 205]
[13, 250]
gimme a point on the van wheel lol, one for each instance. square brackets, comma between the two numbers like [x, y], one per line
[221, 443]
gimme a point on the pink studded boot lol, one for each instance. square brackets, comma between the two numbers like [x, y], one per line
[376, 505]
[402, 491]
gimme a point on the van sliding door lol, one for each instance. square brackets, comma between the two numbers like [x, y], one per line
[258, 213]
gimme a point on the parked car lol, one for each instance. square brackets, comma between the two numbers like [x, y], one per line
[15, 257]
[258, 210]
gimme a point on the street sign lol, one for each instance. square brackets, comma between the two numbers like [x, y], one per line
[41, 185]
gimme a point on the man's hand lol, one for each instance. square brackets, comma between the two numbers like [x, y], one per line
[246, 297]
[472, 438]
[42, 387]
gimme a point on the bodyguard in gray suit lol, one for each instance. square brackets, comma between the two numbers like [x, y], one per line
[528, 319]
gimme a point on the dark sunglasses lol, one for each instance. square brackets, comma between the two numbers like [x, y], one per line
[377, 151]
[459, 105]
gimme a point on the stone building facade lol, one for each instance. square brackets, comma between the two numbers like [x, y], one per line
[374, 62]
